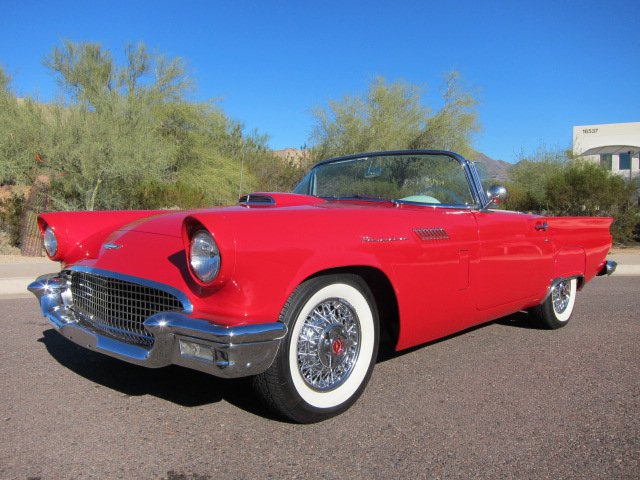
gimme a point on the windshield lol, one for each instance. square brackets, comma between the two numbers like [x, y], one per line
[429, 179]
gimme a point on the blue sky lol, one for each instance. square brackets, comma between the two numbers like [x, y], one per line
[538, 68]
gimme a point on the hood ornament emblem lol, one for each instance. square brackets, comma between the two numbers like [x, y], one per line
[112, 246]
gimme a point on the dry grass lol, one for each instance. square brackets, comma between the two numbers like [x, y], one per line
[5, 247]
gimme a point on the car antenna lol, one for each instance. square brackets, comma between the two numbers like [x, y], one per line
[241, 171]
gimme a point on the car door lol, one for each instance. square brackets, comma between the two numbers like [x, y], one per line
[515, 258]
[433, 278]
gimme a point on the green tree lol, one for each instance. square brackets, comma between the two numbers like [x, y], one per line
[391, 116]
[554, 183]
[124, 135]
[21, 127]
[453, 126]
[108, 138]
[585, 188]
[529, 177]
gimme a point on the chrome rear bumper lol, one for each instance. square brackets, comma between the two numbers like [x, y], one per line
[229, 352]
[608, 268]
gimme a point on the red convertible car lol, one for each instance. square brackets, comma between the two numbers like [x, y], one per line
[298, 289]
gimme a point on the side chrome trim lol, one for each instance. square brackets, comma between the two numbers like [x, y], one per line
[368, 239]
[234, 351]
[186, 303]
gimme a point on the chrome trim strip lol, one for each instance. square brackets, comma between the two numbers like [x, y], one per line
[236, 351]
[368, 239]
[182, 325]
[436, 205]
[186, 303]
[484, 201]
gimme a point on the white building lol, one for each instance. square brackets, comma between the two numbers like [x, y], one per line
[616, 146]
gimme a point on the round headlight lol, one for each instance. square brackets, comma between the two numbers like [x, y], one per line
[50, 242]
[204, 256]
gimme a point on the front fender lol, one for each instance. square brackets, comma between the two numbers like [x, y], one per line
[274, 253]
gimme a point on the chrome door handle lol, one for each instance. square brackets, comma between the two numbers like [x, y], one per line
[541, 226]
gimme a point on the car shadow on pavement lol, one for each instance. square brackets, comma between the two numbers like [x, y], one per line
[182, 386]
[190, 388]
[521, 319]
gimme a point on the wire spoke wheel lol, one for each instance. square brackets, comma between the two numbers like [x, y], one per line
[327, 357]
[560, 296]
[329, 344]
[555, 311]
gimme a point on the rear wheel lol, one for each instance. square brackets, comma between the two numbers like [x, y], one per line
[327, 357]
[557, 308]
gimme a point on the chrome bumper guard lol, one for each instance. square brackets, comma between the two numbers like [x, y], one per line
[608, 268]
[228, 352]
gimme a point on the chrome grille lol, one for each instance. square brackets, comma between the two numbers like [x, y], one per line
[118, 308]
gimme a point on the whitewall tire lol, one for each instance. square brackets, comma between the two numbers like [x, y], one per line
[327, 357]
[557, 308]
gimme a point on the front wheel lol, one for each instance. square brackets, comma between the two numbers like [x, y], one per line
[327, 357]
[557, 308]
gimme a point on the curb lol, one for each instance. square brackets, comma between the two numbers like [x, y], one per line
[17, 286]
[627, 270]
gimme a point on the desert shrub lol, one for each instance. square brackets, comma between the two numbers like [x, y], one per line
[11, 216]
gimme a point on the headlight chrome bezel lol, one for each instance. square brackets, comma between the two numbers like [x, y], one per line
[204, 256]
[50, 242]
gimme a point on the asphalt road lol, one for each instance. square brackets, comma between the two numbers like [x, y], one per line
[504, 400]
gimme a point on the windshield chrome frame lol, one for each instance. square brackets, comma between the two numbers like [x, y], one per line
[473, 179]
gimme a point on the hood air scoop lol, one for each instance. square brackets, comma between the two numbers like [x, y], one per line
[257, 200]
[262, 199]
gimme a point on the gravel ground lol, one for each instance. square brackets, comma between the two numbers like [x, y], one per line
[505, 400]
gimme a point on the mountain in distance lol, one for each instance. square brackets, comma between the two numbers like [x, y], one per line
[294, 155]
[495, 169]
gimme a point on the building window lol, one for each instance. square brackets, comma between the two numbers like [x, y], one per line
[606, 160]
[625, 161]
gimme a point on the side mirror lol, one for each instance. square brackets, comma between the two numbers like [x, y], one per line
[496, 195]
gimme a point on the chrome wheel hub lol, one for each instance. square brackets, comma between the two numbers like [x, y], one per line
[560, 296]
[328, 344]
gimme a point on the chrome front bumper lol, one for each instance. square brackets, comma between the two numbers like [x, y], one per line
[228, 352]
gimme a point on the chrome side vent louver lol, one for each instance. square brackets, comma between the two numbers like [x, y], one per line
[257, 200]
[429, 234]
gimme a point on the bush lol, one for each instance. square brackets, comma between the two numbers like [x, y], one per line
[626, 226]
[552, 183]
[11, 215]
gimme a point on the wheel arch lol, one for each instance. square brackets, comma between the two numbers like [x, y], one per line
[580, 283]
[383, 294]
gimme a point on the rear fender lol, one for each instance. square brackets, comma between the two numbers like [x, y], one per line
[582, 244]
[570, 262]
